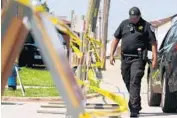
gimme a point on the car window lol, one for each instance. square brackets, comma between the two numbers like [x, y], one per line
[61, 38]
[174, 35]
[169, 36]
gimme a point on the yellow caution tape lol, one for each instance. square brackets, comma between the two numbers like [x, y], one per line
[92, 75]
[98, 63]
[39, 8]
[74, 39]
[118, 99]
[85, 115]
[24, 2]
[123, 107]
[54, 20]
[96, 41]
[76, 50]
[67, 30]
[92, 78]
[114, 97]
[104, 113]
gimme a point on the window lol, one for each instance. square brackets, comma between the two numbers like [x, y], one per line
[174, 36]
[169, 36]
[61, 38]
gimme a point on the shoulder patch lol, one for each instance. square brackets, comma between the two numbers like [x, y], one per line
[152, 28]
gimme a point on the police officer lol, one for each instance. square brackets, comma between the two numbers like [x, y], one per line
[137, 36]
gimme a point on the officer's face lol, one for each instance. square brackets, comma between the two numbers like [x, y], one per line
[134, 19]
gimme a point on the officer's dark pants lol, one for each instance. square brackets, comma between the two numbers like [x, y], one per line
[132, 70]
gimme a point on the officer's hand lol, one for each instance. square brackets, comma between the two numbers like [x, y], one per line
[112, 60]
[154, 63]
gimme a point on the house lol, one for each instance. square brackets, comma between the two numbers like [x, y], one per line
[162, 26]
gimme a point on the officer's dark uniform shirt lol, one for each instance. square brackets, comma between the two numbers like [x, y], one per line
[135, 36]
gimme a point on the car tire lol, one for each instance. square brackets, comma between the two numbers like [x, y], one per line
[153, 98]
[22, 59]
[30, 59]
[21, 63]
[30, 65]
[168, 99]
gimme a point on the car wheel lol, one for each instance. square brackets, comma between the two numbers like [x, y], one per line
[153, 98]
[30, 65]
[21, 63]
[168, 99]
[22, 60]
[30, 59]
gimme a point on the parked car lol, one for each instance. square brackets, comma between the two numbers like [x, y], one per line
[30, 54]
[162, 81]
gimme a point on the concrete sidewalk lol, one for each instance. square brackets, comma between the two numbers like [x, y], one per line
[112, 81]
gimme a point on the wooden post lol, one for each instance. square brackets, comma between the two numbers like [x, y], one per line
[105, 31]
[79, 73]
[99, 29]
[70, 50]
[85, 41]
[3, 3]
[14, 39]
[80, 68]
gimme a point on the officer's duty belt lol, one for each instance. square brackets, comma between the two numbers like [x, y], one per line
[130, 55]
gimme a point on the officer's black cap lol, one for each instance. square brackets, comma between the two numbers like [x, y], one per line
[134, 12]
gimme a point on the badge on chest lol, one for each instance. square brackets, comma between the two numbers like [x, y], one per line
[140, 28]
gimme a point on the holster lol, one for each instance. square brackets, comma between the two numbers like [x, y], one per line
[142, 55]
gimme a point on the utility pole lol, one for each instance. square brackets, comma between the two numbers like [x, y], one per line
[85, 41]
[72, 26]
[91, 20]
[100, 29]
[106, 7]
[3, 3]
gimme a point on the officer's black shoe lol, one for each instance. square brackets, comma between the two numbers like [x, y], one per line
[134, 114]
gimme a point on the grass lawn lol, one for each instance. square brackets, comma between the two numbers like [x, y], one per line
[36, 77]
[32, 92]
